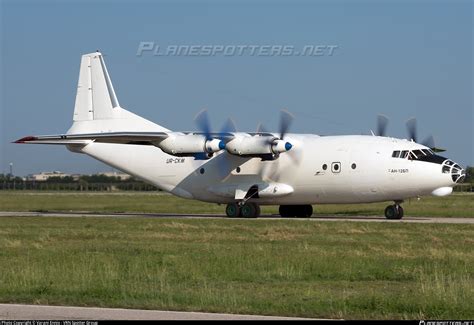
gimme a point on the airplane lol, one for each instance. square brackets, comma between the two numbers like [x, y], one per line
[246, 170]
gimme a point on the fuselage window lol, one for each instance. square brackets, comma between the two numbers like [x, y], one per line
[396, 154]
[325, 167]
[336, 167]
[404, 154]
[446, 169]
[353, 166]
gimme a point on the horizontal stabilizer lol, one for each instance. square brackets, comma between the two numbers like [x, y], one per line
[141, 138]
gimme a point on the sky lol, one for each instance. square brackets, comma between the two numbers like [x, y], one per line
[397, 58]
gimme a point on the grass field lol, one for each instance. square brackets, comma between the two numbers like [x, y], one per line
[456, 205]
[270, 267]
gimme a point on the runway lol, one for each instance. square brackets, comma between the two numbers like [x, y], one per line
[31, 312]
[315, 218]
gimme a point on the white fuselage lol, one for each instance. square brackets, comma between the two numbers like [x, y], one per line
[359, 169]
[281, 169]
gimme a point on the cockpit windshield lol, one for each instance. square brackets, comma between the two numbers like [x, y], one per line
[418, 154]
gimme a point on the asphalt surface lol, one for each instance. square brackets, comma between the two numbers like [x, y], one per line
[39, 312]
[218, 216]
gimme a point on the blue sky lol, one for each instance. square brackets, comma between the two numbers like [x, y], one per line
[399, 58]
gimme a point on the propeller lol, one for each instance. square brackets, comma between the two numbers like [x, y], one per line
[203, 124]
[222, 160]
[429, 141]
[285, 121]
[228, 127]
[261, 128]
[270, 168]
[382, 122]
[412, 129]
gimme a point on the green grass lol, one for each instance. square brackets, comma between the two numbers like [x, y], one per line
[456, 205]
[270, 267]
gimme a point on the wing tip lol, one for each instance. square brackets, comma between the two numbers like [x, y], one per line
[25, 139]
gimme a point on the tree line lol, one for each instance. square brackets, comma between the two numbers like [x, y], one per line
[101, 182]
[68, 183]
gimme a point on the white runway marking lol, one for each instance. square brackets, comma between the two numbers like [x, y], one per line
[29, 312]
[218, 216]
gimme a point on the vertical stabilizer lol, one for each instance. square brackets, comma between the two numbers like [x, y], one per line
[97, 108]
[95, 98]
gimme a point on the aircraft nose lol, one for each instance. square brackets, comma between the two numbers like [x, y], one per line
[455, 170]
[458, 174]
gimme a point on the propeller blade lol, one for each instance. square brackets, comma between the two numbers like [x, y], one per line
[261, 128]
[411, 128]
[382, 122]
[285, 121]
[429, 142]
[229, 126]
[202, 122]
[438, 149]
[268, 170]
[295, 155]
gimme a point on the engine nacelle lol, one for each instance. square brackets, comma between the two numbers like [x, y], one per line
[257, 146]
[279, 146]
[190, 144]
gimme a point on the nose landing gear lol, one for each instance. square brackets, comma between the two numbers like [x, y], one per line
[394, 212]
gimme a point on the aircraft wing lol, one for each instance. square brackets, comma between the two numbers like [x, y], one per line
[138, 138]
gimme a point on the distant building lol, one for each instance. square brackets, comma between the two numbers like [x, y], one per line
[43, 176]
[121, 176]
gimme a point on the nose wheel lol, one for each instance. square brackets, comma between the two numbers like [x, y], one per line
[394, 212]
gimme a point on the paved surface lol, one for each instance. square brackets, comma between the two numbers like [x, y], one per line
[30, 312]
[217, 216]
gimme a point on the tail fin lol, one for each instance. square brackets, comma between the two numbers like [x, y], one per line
[97, 108]
[95, 98]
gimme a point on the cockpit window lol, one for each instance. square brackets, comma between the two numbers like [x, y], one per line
[418, 153]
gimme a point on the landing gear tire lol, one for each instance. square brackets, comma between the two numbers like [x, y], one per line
[286, 211]
[250, 210]
[298, 211]
[306, 211]
[232, 210]
[394, 212]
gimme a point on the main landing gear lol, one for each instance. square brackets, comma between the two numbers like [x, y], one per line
[296, 211]
[245, 210]
[394, 212]
[252, 210]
